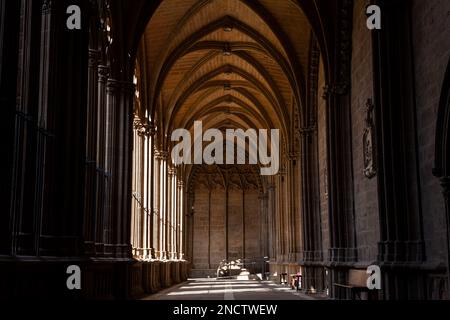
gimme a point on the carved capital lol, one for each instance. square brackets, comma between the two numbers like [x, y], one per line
[103, 73]
[141, 128]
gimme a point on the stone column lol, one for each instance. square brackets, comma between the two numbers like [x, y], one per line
[446, 191]
[103, 178]
[181, 220]
[163, 205]
[264, 233]
[153, 218]
[90, 199]
[170, 209]
[137, 199]
[292, 208]
[120, 105]
[146, 190]
[395, 131]
[157, 203]
[22, 241]
[272, 221]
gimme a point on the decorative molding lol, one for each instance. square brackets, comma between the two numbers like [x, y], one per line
[314, 64]
[345, 46]
[142, 127]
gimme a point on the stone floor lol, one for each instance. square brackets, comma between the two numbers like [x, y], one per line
[212, 289]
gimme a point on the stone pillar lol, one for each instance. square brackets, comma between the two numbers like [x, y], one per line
[171, 205]
[398, 179]
[152, 221]
[9, 74]
[280, 214]
[44, 121]
[271, 190]
[103, 178]
[174, 215]
[145, 216]
[157, 203]
[22, 241]
[136, 189]
[292, 208]
[140, 215]
[446, 191]
[120, 105]
[90, 199]
[163, 205]
[264, 233]
[181, 220]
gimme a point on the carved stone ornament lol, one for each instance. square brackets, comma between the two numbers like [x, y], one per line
[369, 147]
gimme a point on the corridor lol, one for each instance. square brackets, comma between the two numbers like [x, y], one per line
[139, 150]
[212, 289]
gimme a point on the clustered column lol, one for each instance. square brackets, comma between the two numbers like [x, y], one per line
[157, 210]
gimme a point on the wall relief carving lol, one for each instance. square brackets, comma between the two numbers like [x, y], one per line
[369, 147]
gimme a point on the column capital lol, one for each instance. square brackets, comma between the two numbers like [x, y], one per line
[103, 71]
[142, 126]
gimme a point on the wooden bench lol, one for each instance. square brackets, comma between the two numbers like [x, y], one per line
[357, 283]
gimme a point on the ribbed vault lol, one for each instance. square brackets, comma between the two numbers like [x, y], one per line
[234, 63]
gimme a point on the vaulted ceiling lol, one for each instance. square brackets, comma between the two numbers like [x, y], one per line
[229, 63]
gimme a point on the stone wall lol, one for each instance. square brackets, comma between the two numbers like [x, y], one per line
[210, 230]
[366, 194]
[323, 170]
[431, 42]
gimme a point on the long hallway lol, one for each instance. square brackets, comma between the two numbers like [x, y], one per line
[176, 139]
[241, 290]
